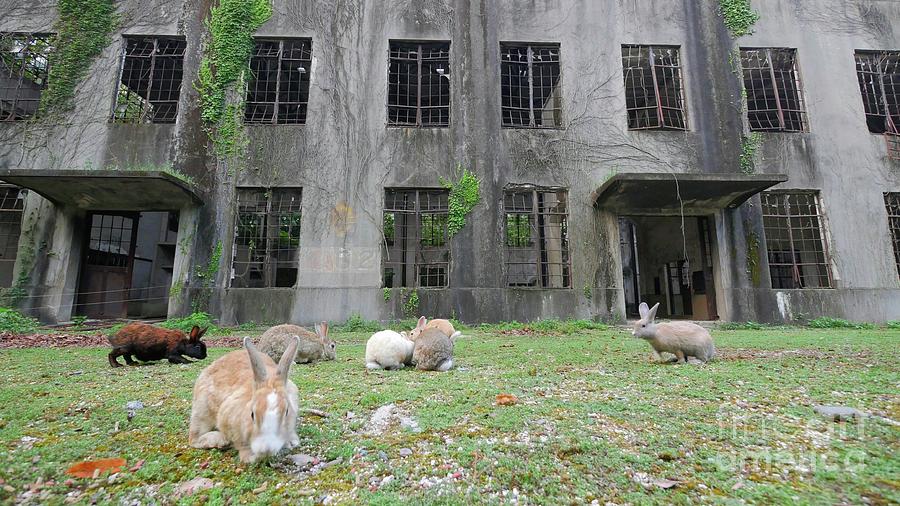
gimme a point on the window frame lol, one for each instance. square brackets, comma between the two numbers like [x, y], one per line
[269, 264]
[419, 65]
[892, 208]
[530, 47]
[681, 94]
[147, 115]
[48, 38]
[416, 239]
[538, 219]
[778, 91]
[307, 82]
[15, 213]
[795, 265]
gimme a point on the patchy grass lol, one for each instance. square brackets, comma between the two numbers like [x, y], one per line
[596, 420]
[14, 321]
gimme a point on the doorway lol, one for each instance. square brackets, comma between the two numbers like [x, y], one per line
[660, 264]
[127, 265]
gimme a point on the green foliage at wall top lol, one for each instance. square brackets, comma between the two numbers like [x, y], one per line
[83, 30]
[464, 196]
[231, 26]
[739, 16]
[749, 146]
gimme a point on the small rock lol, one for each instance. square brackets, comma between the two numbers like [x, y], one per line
[193, 486]
[306, 492]
[302, 459]
[134, 405]
[351, 415]
[9, 488]
[405, 452]
[262, 488]
[363, 452]
[386, 480]
[838, 413]
[382, 455]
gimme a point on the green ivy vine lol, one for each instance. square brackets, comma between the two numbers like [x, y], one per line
[749, 147]
[739, 16]
[752, 254]
[464, 196]
[411, 305]
[207, 278]
[83, 29]
[223, 68]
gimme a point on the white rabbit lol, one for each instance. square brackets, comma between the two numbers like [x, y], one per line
[388, 350]
[683, 339]
[245, 400]
[443, 325]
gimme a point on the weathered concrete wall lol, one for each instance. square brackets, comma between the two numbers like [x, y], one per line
[344, 156]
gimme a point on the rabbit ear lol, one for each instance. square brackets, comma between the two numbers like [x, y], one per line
[652, 314]
[322, 330]
[421, 323]
[284, 365]
[256, 363]
[404, 334]
[643, 309]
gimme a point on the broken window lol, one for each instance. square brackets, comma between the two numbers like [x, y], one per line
[797, 250]
[654, 97]
[892, 203]
[417, 250]
[419, 84]
[537, 243]
[12, 201]
[878, 73]
[151, 80]
[278, 91]
[23, 73]
[530, 86]
[266, 237]
[774, 92]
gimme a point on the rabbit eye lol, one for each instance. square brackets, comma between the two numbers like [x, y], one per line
[644, 325]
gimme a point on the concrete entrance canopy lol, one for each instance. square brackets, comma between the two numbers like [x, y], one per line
[657, 194]
[106, 190]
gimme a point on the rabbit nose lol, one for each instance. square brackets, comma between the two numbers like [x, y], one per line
[633, 333]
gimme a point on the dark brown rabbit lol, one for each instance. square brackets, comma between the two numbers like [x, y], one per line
[147, 343]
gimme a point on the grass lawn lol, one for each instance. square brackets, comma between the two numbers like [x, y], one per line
[596, 421]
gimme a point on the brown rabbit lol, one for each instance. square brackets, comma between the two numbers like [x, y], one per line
[443, 325]
[433, 351]
[245, 400]
[147, 343]
[314, 346]
[684, 339]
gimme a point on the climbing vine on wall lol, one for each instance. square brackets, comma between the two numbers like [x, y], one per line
[739, 16]
[464, 196]
[83, 30]
[207, 278]
[752, 254]
[223, 69]
[749, 146]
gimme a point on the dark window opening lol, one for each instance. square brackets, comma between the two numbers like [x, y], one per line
[24, 66]
[12, 202]
[878, 73]
[797, 250]
[419, 84]
[774, 91]
[278, 91]
[266, 237]
[892, 203]
[151, 80]
[416, 247]
[530, 89]
[537, 243]
[654, 95]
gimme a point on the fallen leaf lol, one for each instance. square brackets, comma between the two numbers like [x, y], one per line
[93, 468]
[191, 487]
[262, 488]
[664, 483]
[137, 466]
[506, 399]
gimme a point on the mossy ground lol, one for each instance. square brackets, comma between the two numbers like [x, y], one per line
[596, 420]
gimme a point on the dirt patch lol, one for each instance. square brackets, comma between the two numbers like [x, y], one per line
[751, 354]
[87, 340]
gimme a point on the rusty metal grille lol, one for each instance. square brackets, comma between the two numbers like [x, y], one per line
[654, 94]
[530, 92]
[419, 84]
[537, 243]
[24, 65]
[151, 80]
[774, 91]
[892, 204]
[416, 251]
[878, 73]
[12, 202]
[266, 237]
[278, 92]
[110, 240]
[798, 253]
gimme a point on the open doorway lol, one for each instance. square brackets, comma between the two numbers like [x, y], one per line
[127, 266]
[660, 264]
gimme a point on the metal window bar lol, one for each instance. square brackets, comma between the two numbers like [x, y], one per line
[278, 91]
[530, 89]
[774, 90]
[267, 237]
[419, 84]
[892, 205]
[878, 73]
[110, 240]
[12, 203]
[150, 83]
[654, 90]
[416, 249]
[24, 68]
[797, 250]
[538, 257]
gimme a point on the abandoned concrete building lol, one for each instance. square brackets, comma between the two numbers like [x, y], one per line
[620, 150]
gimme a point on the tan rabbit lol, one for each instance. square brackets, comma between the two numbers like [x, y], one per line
[683, 339]
[245, 400]
[443, 325]
[433, 351]
[314, 346]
